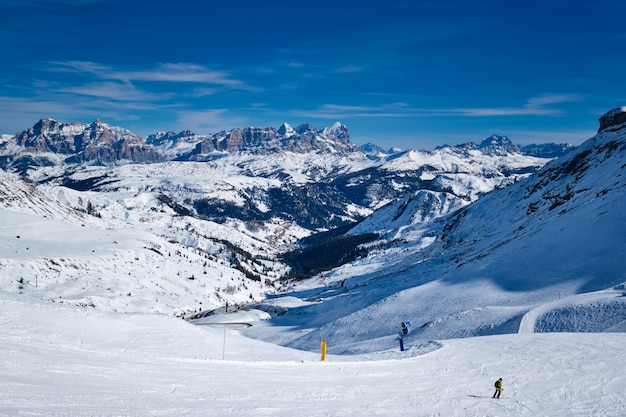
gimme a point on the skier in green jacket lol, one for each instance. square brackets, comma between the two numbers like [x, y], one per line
[499, 388]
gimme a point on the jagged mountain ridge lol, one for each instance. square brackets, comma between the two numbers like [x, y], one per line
[187, 146]
[75, 143]
[313, 179]
[421, 220]
[100, 143]
[310, 190]
[501, 145]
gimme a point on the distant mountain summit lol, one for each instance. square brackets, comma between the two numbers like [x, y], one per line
[373, 149]
[49, 142]
[317, 179]
[303, 139]
[498, 145]
[502, 145]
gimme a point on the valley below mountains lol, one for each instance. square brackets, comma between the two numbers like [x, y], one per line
[463, 240]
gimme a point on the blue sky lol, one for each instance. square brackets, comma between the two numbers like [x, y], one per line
[412, 74]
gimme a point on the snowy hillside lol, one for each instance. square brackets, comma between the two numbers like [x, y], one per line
[50, 252]
[478, 271]
[525, 282]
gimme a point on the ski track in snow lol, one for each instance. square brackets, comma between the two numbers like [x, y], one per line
[61, 361]
[529, 320]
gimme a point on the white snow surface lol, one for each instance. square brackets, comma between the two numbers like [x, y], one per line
[58, 360]
[528, 285]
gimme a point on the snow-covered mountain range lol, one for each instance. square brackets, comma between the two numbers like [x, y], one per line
[246, 197]
[480, 269]
[304, 178]
[465, 241]
[262, 189]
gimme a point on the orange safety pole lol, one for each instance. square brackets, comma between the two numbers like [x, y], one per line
[323, 350]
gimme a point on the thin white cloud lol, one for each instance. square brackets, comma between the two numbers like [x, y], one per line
[503, 111]
[329, 111]
[552, 99]
[348, 69]
[113, 91]
[209, 121]
[202, 92]
[535, 106]
[289, 86]
[78, 67]
[189, 73]
[168, 72]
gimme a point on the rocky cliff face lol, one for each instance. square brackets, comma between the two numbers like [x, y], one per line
[97, 143]
[498, 145]
[613, 119]
[49, 142]
[305, 138]
[106, 145]
[48, 135]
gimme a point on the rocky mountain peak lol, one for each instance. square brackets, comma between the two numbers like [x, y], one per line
[45, 124]
[97, 143]
[373, 149]
[497, 145]
[613, 120]
[303, 139]
[98, 122]
[286, 130]
[47, 135]
[337, 128]
[170, 137]
[305, 128]
[186, 133]
[496, 140]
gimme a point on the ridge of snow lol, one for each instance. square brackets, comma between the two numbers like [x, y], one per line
[617, 110]
[334, 128]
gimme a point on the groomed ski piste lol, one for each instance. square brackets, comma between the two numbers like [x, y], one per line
[57, 360]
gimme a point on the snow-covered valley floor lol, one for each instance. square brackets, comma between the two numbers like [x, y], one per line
[57, 360]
